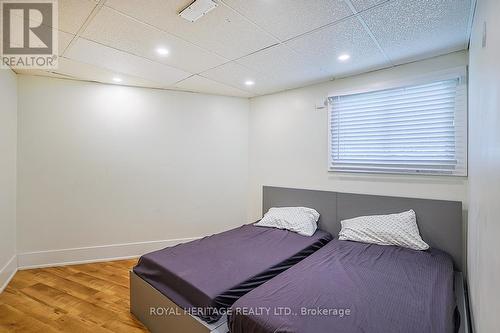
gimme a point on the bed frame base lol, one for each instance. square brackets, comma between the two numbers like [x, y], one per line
[148, 305]
[144, 297]
[462, 303]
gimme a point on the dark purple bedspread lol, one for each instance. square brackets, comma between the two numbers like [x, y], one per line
[213, 272]
[354, 287]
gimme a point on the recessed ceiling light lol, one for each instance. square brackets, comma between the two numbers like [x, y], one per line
[162, 51]
[249, 82]
[117, 79]
[344, 57]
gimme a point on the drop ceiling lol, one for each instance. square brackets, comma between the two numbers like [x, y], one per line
[276, 44]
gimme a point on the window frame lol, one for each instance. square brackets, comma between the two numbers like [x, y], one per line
[460, 73]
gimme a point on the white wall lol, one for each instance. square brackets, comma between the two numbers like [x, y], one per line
[8, 146]
[484, 169]
[288, 145]
[101, 165]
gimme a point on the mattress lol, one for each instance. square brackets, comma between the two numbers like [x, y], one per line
[208, 275]
[354, 287]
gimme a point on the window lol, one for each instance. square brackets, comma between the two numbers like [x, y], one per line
[418, 129]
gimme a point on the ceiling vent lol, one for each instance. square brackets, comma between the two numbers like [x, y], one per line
[197, 9]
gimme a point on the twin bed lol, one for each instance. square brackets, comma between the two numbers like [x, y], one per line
[211, 273]
[354, 287]
[271, 280]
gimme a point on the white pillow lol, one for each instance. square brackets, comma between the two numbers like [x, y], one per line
[301, 220]
[393, 229]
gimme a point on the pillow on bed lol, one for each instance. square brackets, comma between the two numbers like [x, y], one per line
[301, 220]
[393, 229]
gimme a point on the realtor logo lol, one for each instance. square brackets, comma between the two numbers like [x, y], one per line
[29, 34]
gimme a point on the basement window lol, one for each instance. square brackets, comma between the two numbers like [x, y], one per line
[411, 129]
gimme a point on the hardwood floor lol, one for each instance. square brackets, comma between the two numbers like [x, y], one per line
[80, 298]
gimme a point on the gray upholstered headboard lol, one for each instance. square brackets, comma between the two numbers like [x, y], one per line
[439, 222]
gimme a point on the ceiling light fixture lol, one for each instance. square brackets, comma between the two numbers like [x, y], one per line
[162, 51]
[344, 57]
[117, 79]
[197, 9]
[249, 82]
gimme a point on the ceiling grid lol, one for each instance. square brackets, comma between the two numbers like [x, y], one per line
[250, 48]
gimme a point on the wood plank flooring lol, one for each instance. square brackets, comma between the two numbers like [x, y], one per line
[80, 298]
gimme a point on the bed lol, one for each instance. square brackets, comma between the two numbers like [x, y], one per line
[354, 287]
[363, 276]
[208, 275]
[440, 223]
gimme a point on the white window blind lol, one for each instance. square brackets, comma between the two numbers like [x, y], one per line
[414, 129]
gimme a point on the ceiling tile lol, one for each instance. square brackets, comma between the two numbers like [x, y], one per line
[361, 5]
[410, 30]
[289, 18]
[324, 46]
[222, 31]
[285, 68]
[102, 56]
[236, 75]
[198, 83]
[82, 71]
[64, 38]
[73, 13]
[64, 41]
[112, 28]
